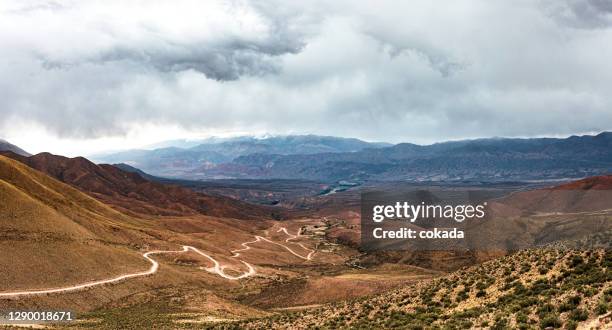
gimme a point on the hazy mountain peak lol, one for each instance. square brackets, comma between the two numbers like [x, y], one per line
[6, 146]
[173, 160]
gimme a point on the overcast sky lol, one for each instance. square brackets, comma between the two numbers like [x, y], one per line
[78, 77]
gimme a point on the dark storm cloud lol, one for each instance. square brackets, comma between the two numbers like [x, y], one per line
[437, 59]
[224, 58]
[397, 71]
[582, 14]
[227, 60]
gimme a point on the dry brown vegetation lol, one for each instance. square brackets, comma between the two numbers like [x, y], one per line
[133, 194]
[57, 228]
[530, 289]
[53, 234]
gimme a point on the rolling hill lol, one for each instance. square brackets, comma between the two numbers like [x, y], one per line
[131, 192]
[69, 236]
[592, 194]
[532, 289]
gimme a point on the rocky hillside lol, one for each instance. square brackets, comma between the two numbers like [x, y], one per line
[532, 289]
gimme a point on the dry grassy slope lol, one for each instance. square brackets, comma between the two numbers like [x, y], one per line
[52, 234]
[527, 290]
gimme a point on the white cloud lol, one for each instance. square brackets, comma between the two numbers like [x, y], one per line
[395, 71]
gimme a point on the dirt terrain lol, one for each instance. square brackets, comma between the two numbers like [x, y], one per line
[83, 248]
[134, 267]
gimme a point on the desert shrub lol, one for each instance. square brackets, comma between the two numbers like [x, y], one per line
[501, 323]
[588, 292]
[565, 307]
[519, 289]
[468, 313]
[574, 300]
[601, 308]
[521, 318]
[571, 325]
[530, 301]
[608, 295]
[508, 285]
[540, 285]
[545, 310]
[575, 261]
[607, 260]
[570, 304]
[525, 267]
[579, 314]
[550, 320]
[462, 295]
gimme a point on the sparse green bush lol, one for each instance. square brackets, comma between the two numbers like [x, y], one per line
[571, 325]
[602, 308]
[521, 318]
[550, 320]
[501, 323]
[570, 304]
[579, 315]
[576, 260]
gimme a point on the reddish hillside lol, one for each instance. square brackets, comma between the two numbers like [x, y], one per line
[602, 182]
[129, 191]
[590, 194]
[52, 234]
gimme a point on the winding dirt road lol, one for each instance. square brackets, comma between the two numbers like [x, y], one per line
[216, 269]
[219, 270]
[291, 237]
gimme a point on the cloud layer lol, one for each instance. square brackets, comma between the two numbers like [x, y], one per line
[396, 71]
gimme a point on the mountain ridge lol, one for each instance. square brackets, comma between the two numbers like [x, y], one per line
[7, 146]
[171, 159]
[76, 236]
[132, 193]
[482, 159]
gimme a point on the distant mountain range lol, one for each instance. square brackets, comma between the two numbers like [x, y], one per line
[333, 159]
[179, 158]
[495, 159]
